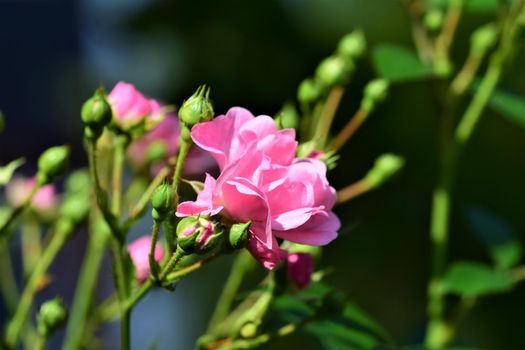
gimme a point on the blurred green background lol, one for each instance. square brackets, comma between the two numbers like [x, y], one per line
[254, 54]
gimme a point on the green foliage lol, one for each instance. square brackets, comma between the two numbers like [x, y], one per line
[397, 63]
[470, 279]
[480, 6]
[7, 171]
[504, 247]
[509, 105]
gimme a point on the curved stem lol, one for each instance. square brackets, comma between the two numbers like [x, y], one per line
[353, 190]
[349, 129]
[153, 266]
[17, 323]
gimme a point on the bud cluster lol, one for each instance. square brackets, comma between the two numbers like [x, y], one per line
[198, 235]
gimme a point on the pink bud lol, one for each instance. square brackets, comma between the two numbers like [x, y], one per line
[139, 253]
[19, 189]
[300, 268]
[316, 154]
[130, 106]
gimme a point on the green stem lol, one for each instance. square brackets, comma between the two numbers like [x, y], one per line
[15, 326]
[8, 286]
[31, 244]
[350, 128]
[327, 115]
[240, 267]
[4, 229]
[98, 240]
[119, 153]
[438, 330]
[353, 190]
[154, 267]
[40, 343]
[100, 194]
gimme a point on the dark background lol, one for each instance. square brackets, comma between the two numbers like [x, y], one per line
[254, 54]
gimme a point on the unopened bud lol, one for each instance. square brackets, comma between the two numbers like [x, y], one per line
[300, 267]
[52, 163]
[352, 45]
[197, 235]
[52, 315]
[309, 91]
[239, 234]
[287, 118]
[75, 207]
[162, 201]
[484, 38]
[197, 108]
[385, 167]
[96, 111]
[334, 70]
[433, 19]
[78, 182]
[375, 91]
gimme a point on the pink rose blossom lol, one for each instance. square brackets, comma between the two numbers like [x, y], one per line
[130, 106]
[262, 181]
[139, 253]
[19, 189]
[299, 269]
[168, 132]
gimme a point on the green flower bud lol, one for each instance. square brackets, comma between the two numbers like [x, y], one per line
[352, 45]
[334, 70]
[433, 19]
[197, 108]
[443, 67]
[52, 163]
[52, 315]
[2, 122]
[239, 234]
[198, 235]
[78, 182]
[309, 91]
[287, 118]
[96, 111]
[156, 151]
[484, 38]
[375, 91]
[75, 207]
[162, 201]
[385, 167]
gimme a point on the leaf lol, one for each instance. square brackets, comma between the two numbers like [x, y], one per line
[509, 105]
[473, 5]
[7, 171]
[397, 63]
[197, 186]
[504, 247]
[470, 279]
[418, 347]
[335, 336]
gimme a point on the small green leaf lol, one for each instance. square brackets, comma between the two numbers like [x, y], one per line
[504, 248]
[197, 186]
[470, 279]
[7, 171]
[509, 105]
[398, 63]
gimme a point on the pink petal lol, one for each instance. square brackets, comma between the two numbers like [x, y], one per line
[321, 229]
